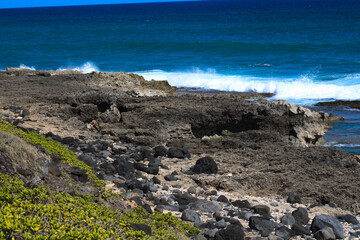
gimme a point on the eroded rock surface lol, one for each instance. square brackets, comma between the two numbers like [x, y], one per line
[260, 147]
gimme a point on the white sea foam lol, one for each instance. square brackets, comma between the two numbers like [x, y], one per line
[304, 87]
[87, 67]
[342, 145]
[26, 67]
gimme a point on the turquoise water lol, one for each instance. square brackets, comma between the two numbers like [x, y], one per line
[301, 50]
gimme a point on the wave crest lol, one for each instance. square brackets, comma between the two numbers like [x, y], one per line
[304, 87]
[87, 67]
[26, 67]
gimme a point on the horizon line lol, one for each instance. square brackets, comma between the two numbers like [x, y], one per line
[101, 4]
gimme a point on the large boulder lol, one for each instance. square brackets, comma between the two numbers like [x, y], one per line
[232, 232]
[301, 215]
[284, 233]
[322, 221]
[206, 206]
[263, 225]
[325, 234]
[205, 165]
[288, 219]
[294, 197]
[178, 153]
[190, 215]
[123, 167]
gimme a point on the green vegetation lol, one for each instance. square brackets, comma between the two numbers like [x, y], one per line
[53, 147]
[38, 213]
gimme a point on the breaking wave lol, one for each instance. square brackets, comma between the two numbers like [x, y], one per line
[87, 67]
[26, 67]
[345, 87]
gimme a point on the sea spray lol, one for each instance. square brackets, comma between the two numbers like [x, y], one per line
[87, 67]
[302, 87]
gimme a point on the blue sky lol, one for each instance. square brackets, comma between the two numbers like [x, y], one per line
[41, 3]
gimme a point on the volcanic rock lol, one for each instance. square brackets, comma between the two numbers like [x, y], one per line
[301, 216]
[232, 232]
[322, 221]
[264, 226]
[205, 165]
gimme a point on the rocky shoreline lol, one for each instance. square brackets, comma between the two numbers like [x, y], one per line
[236, 169]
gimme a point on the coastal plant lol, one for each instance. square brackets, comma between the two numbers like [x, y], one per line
[39, 213]
[52, 147]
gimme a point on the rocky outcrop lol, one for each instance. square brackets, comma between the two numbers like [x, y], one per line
[351, 104]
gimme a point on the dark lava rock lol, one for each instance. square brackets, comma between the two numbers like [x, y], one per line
[25, 113]
[208, 225]
[232, 220]
[140, 166]
[123, 167]
[223, 199]
[348, 218]
[108, 168]
[171, 178]
[100, 175]
[152, 170]
[145, 152]
[136, 184]
[160, 151]
[175, 153]
[284, 232]
[288, 219]
[352, 104]
[217, 216]
[300, 229]
[232, 232]
[141, 227]
[56, 138]
[68, 140]
[325, 234]
[241, 204]
[221, 224]
[15, 110]
[147, 208]
[185, 199]
[192, 190]
[137, 157]
[261, 209]
[79, 174]
[211, 232]
[322, 221]
[156, 180]
[294, 197]
[88, 160]
[205, 165]
[213, 192]
[190, 215]
[301, 215]
[206, 206]
[233, 213]
[186, 152]
[264, 226]
[137, 200]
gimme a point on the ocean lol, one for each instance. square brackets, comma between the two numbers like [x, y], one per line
[304, 51]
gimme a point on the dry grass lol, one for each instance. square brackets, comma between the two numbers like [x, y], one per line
[20, 154]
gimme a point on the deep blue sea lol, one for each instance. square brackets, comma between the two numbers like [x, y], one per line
[304, 51]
